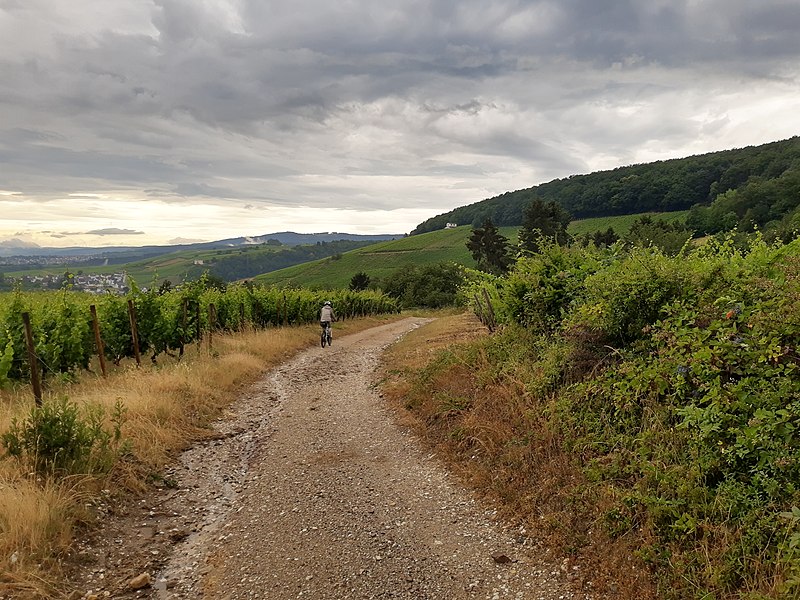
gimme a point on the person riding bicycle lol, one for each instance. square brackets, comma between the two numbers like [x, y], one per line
[326, 315]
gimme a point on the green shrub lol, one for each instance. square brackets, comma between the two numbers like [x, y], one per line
[627, 296]
[697, 431]
[541, 289]
[431, 286]
[688, 428]
[56, 439]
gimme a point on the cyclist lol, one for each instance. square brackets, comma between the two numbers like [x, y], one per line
[326, 317]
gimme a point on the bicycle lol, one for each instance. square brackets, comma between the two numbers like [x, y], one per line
[326, 336]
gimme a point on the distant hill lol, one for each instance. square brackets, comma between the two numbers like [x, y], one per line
[228, 261]
[123, 254]
[382, 260]
[379, 260]
[662, 186]
[295, 239]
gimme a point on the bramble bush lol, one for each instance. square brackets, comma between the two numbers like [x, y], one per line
[698, 433]
[542, 288]
[684, 410]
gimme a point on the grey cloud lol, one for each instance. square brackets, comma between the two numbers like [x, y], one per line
[201, 189]
[180, 240]
[64, 234]
[248, 100]
[114, 231]
[77, 164]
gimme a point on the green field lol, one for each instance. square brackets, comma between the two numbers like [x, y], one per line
[621, 224]
[379, 261]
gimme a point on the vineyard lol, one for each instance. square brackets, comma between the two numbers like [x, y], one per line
[66, 329]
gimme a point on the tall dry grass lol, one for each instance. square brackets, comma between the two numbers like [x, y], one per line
[167, 407]
[37, 522]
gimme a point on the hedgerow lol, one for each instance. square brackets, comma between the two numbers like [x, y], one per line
[674, 385]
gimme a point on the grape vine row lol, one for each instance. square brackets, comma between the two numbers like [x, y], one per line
[166, 321]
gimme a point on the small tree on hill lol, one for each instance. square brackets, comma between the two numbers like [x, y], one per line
[489, 248]
[543, 219]
[670, 237]
[359, 281]
[605, 238]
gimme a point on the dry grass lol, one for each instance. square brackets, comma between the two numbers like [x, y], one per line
[491, 429]
[37, 520]
[168, 406]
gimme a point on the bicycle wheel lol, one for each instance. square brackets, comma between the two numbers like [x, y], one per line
[330, 339]
[323, 338]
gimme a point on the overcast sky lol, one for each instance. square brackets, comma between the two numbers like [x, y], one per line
[129, 122]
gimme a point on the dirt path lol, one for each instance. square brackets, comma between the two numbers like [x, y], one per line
[312, 491]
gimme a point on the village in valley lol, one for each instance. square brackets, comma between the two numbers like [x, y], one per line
[93, 283]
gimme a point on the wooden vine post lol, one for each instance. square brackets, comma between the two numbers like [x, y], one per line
[199, 325]
[479, 310]
[32, 360]
[489, 311]
[134, 332]
[212, 323]
[98, 340]
[184, 324]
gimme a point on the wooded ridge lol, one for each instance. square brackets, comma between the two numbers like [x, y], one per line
[663, 186]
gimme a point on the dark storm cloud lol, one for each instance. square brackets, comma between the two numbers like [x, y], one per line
[27, 160]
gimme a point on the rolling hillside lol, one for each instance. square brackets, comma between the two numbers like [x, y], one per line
[620, 224]
[381, 260]
[228, 264]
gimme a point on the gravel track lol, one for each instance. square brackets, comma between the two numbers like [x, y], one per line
[311, 490]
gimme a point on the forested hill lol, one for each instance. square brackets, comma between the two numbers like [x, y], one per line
[662, 186]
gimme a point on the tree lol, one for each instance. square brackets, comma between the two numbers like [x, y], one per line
[360, 281]
[543, 219]
[605, 238]
[431, 286]
[489, 248]
[214, 281]
[670, 237]
[165, 287]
